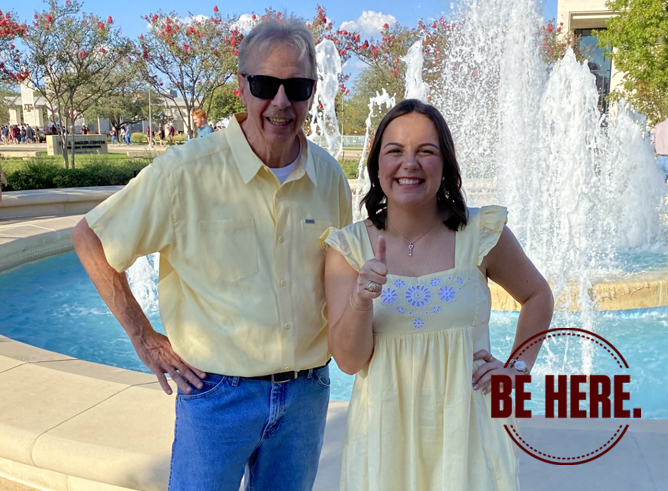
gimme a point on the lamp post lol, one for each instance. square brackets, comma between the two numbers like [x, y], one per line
[342, 113]
[150, 120]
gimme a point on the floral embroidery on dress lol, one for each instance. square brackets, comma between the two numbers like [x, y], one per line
[389, 296]
[418, 295]
[414, 299]
[446, 294]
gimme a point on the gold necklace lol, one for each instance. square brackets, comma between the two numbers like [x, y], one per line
[411, 242]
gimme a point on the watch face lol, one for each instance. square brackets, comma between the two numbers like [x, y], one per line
[519, 364]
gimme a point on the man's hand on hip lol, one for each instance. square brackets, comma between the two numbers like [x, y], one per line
[155, 350]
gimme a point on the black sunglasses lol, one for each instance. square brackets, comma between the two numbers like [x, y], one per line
[266, 87]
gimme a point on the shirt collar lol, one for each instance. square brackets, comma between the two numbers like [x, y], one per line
[250, 164]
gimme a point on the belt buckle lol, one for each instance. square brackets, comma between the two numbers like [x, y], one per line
[288, 376]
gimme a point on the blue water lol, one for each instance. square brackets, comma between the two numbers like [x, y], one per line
[637, 262]
[53, 305]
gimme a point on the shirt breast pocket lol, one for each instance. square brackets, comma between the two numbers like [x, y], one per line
[313, 255]
[229, 248]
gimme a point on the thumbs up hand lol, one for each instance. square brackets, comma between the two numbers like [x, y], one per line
[372, 276]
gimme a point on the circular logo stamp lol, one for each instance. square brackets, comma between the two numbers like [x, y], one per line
[566, 396]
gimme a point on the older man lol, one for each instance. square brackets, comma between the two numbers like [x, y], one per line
[236, 218]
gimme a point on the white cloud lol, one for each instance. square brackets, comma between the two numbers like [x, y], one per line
[369, 23]
[354, 64]
[191, 19]
[244, 24]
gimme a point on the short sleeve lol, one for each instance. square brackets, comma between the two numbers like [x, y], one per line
[337, 240]
[136, 221]
[492, 220]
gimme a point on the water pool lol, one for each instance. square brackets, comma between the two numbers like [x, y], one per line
[53, 305]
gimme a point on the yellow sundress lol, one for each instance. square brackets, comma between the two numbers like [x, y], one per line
[414, 420]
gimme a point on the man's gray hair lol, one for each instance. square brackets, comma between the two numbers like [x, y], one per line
[271, 32]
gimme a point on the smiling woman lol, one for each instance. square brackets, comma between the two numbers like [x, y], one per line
[410, 321]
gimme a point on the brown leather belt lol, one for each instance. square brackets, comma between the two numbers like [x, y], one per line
[278, 378]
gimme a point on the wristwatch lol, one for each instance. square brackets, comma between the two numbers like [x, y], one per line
[520, 365]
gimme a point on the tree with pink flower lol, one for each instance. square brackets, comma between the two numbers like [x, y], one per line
[67, 56]
[189, 58]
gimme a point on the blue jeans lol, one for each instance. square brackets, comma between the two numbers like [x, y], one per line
[235, 426]
[662, 162]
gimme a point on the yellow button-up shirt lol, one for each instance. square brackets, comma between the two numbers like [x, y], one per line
[241, 269]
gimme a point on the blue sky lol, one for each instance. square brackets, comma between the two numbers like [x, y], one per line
[366, 16]
[127, 13]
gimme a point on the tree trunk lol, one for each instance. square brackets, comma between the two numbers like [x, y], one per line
[63, 145]
[73, 151]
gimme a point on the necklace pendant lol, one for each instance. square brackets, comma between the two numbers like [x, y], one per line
[410, 249]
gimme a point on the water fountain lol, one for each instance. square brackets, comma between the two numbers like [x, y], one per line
[581, 188]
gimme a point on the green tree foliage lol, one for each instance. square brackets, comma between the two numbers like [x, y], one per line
[225, 102]
[6, 90]
[128, 103]
[638, 37]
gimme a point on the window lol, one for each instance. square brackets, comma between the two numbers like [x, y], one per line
[599, 64]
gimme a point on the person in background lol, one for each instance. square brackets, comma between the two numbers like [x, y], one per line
[149, 135]
[161, 135]
[3, 182]
[408, 312]
[112, 134]
[660, 142]
[170, 133]
[203, 128]
[236, 217]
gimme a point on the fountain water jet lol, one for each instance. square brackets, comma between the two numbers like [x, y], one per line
[363, 184]
[323, 121]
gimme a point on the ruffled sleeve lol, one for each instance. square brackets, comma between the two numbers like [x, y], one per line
[338, 240]
[492, 220]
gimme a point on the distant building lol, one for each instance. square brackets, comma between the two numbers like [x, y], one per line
[26, 108]
[581, 17]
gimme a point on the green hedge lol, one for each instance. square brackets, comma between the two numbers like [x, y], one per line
[44, 174]
[350, 168]
[136, 137]
[38, 174]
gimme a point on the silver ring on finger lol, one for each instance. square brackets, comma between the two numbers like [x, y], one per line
[370, 286]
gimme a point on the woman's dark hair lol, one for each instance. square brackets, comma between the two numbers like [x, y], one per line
[449, 197]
